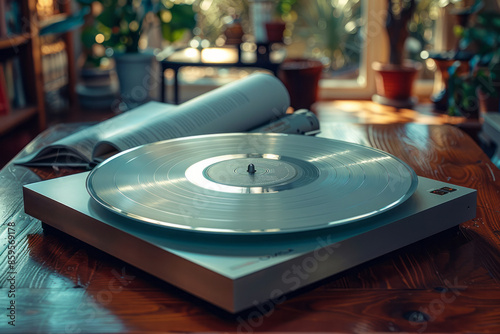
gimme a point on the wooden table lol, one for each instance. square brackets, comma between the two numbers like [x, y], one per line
[447, 283]
[369, 112]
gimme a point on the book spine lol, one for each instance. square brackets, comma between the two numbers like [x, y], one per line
[54, 65]
[3, 21]
[13, 24]
[19, 95]
[4, 98]
[9, 79]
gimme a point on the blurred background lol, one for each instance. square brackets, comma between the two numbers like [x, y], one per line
[62, 60]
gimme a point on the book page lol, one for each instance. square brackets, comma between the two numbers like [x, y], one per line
[76, 149]
[234, 107]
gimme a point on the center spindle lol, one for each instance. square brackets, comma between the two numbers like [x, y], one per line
[251, 169]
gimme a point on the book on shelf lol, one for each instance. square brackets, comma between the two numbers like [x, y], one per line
[13, 13]
[13, 85]
[10, 22]
[3, 18]
[4, 96]
[55, 76]
[8, 70]
[19, 100]
[258, 102]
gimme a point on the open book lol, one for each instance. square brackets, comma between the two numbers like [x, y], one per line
[258, 102]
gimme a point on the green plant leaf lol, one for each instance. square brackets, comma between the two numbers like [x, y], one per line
[183, 18]
[88, 36]
[108, 17]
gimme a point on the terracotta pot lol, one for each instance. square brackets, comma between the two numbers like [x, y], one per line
[301, 78]
[395, 82]
[274, 31]
[234, 34]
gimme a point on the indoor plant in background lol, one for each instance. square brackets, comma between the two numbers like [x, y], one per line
[299, 74]
[394, 80]
[275, 28]
[322, 44]
[332, 31]
[120, 27]
[480, 86]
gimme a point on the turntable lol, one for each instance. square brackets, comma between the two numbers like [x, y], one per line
[243, 219]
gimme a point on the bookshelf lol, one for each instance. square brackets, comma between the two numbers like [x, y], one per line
[58, 58]
[21, 46]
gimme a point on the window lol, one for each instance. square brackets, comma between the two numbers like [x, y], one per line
[329, 30]
[346, 35]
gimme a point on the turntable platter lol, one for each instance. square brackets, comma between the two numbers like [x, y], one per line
[251, 183]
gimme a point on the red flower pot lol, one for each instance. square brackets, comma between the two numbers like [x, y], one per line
[301, 78]
[395, 82]
[274, 31]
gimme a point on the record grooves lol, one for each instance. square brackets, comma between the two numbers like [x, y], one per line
[251, 183]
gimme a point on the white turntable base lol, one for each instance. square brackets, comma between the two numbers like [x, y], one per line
[237, 272]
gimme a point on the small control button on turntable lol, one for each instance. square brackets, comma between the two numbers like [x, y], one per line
[443, 191]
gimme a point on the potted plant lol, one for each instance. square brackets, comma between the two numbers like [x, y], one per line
[462, 91]
[483, 39]
[394, 80]
[119, 28]
[323, 23]
[322, 27]
[234, 32]
[275, 27]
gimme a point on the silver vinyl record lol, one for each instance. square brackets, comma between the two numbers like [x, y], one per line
[251, 183]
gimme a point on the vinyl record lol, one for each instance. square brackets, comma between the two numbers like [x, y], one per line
[251, 183]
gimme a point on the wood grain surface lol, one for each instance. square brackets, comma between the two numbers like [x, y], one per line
[447, 283]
